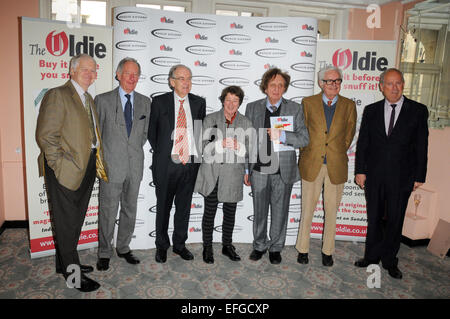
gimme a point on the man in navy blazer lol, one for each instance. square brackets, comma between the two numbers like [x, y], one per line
[391, 162]
[174, 176]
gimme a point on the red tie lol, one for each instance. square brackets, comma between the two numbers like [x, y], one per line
[181, 141]
[330, 102]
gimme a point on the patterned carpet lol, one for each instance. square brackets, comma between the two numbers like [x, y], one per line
[424, 275]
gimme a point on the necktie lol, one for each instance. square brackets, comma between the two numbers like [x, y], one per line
[128, 114]
[329, 102]
[391, 122]
[87, 108]
[181, 141]
[274, 108]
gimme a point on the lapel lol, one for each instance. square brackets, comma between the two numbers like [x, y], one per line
[402, 117]
[260, 113]
[380, 117]
[75, 96]
[171, 110]
[193, 107]
[319, 113]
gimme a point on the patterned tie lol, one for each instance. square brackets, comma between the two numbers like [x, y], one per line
[391, 122]
[87, 108]
[181, 141]
[128, 114]
[274, 108]
[329, 102]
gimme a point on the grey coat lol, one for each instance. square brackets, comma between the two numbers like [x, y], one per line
[123, 155]
[223, 164]
[299, 137]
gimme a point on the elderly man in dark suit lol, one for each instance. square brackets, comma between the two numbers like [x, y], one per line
[124, 115]
[174, 118]
[391, 162]
[71, 154]
[274, 173]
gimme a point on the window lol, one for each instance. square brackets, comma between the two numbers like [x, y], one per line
[161, 7]
[79, 11]
[235, 11]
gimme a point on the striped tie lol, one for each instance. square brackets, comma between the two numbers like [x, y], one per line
[181, 141]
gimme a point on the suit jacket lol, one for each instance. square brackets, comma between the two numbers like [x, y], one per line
[333, 144]
[400, 158]
[162, 124]
[297, 138]
[63, 135]
[123, 155]
[225, 165]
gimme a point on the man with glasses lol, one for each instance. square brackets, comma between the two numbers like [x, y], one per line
[175, 158]
[331, 121]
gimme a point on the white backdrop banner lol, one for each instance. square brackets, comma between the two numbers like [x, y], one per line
[221, 51]
[362, 63]
[47, 47]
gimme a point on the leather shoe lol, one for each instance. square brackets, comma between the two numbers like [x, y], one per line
[230, 252]
[129, 257]
[84, 269]
[161, 255]
[362, 263]
[302, 258]
[394, 272]
[87, 284]
[103, 264]
[327, 260]
[256, 254]
[275, 257]
[208, 254]
[184, 253]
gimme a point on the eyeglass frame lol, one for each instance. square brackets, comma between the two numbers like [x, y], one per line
[335, 81]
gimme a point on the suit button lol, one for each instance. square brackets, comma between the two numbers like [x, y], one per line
[326, 144]
[326, 132]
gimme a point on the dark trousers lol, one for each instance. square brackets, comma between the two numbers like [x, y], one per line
[176, 188]
[67, 211]
[229, 213]
[386, 207]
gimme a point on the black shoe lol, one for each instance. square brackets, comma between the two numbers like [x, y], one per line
[208, 256]
[394, 272]
[184, 253]
[256, 254]
[87, 284]
[230, 251]
[85, 269]
[161, 255]
[302, 258]
[103, 264]
[129, 257]
[275, 257]
[362, 263]
[327, 260]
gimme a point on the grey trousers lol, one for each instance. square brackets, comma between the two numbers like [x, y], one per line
[110, 195]
[270, 190]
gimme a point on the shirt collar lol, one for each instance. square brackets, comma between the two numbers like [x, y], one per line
[325, 99]
[398, 104]
[78, 88]
[122, 94]
[268, 105]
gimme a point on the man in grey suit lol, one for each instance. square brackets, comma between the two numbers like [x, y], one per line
[274, 173]
[124, 118]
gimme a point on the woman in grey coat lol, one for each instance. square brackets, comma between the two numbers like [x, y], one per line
[227, 135]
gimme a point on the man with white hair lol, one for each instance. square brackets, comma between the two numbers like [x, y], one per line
[331, 121]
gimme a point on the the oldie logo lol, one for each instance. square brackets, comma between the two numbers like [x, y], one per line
[129, 31]
[201, 50]
[302, 84]
[303, 67]
[305, 40]
[57, 44]
[307, 27]
[236, 38]
[235, 52]
[272, 26]
[235, 25]
[199, 36]
[234, 81]
[166, 20]
[160, 78]
[199, 63]
[235, 65]
[164, 47]
[306, 54]
[131, 16]
[202, 80]
[201, 23]
[165, 61]
[166, 34]
[130, 45]
[271, 40]
[271, 53]
[343, 59]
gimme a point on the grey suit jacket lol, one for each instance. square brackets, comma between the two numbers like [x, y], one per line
[226, 165]
[297, 138]
[123, 156]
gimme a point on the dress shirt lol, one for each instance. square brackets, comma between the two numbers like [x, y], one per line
[388, 111]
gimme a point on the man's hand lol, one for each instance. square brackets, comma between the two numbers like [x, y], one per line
[360, 179]
[247, 180]
[417, 185]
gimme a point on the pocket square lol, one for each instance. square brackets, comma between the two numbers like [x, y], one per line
[142, 117]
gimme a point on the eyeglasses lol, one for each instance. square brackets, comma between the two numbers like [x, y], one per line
[182, 79]
[329, 82]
